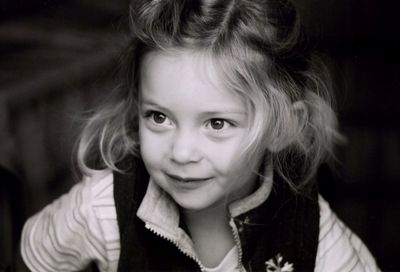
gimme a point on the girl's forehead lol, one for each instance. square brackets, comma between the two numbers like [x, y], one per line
[198, 62]
[194, 69]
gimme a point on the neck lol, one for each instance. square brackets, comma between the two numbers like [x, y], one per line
[212, 216]
[211, 233]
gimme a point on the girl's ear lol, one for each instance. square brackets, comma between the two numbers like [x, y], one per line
[294, 125]
[301, 112]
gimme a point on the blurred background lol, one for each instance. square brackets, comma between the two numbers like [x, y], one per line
[57, 58]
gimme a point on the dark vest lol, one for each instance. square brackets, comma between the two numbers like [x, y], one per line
[286, 223]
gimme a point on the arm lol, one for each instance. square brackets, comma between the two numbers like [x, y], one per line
[339, 249]
[65, 236]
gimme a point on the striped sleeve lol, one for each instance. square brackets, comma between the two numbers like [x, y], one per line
[73, 231]
[339, 249]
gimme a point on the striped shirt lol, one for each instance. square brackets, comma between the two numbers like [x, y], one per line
[81, 227]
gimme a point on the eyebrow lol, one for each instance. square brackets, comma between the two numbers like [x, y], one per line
[225, 112]
[153, 104]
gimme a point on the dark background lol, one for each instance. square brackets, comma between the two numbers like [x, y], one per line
[56, 61]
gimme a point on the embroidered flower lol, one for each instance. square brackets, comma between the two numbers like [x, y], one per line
[275, 265]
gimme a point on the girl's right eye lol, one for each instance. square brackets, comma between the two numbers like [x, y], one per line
[157, 118]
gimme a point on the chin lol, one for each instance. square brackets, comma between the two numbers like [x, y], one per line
[196, 203]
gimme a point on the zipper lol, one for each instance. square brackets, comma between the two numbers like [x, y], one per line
[238, 244]
[186, 253]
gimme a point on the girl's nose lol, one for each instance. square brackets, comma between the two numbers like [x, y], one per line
[185, 148]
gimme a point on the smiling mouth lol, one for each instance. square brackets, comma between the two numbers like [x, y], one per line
[188, 179]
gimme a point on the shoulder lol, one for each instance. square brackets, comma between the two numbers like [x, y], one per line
[339, 249]
[98, 185]
[98, 193]
[92, 196]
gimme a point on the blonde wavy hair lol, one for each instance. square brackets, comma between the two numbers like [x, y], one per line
[258, 46]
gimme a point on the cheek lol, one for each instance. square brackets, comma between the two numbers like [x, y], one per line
[152, 148]
[227, 156]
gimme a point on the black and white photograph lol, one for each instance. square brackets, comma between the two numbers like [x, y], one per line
[199, 135]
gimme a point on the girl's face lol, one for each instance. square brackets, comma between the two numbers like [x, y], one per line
[192, 131]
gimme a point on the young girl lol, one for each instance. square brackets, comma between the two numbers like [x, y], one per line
[208, 153]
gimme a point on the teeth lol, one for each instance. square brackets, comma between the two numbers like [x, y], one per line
[186, 180]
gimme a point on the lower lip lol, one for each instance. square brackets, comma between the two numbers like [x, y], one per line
[188, 184]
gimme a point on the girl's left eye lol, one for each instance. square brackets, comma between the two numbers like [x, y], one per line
[159, 117]
[218, 124]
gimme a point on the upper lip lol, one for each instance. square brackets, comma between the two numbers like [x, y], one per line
[185, 178]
